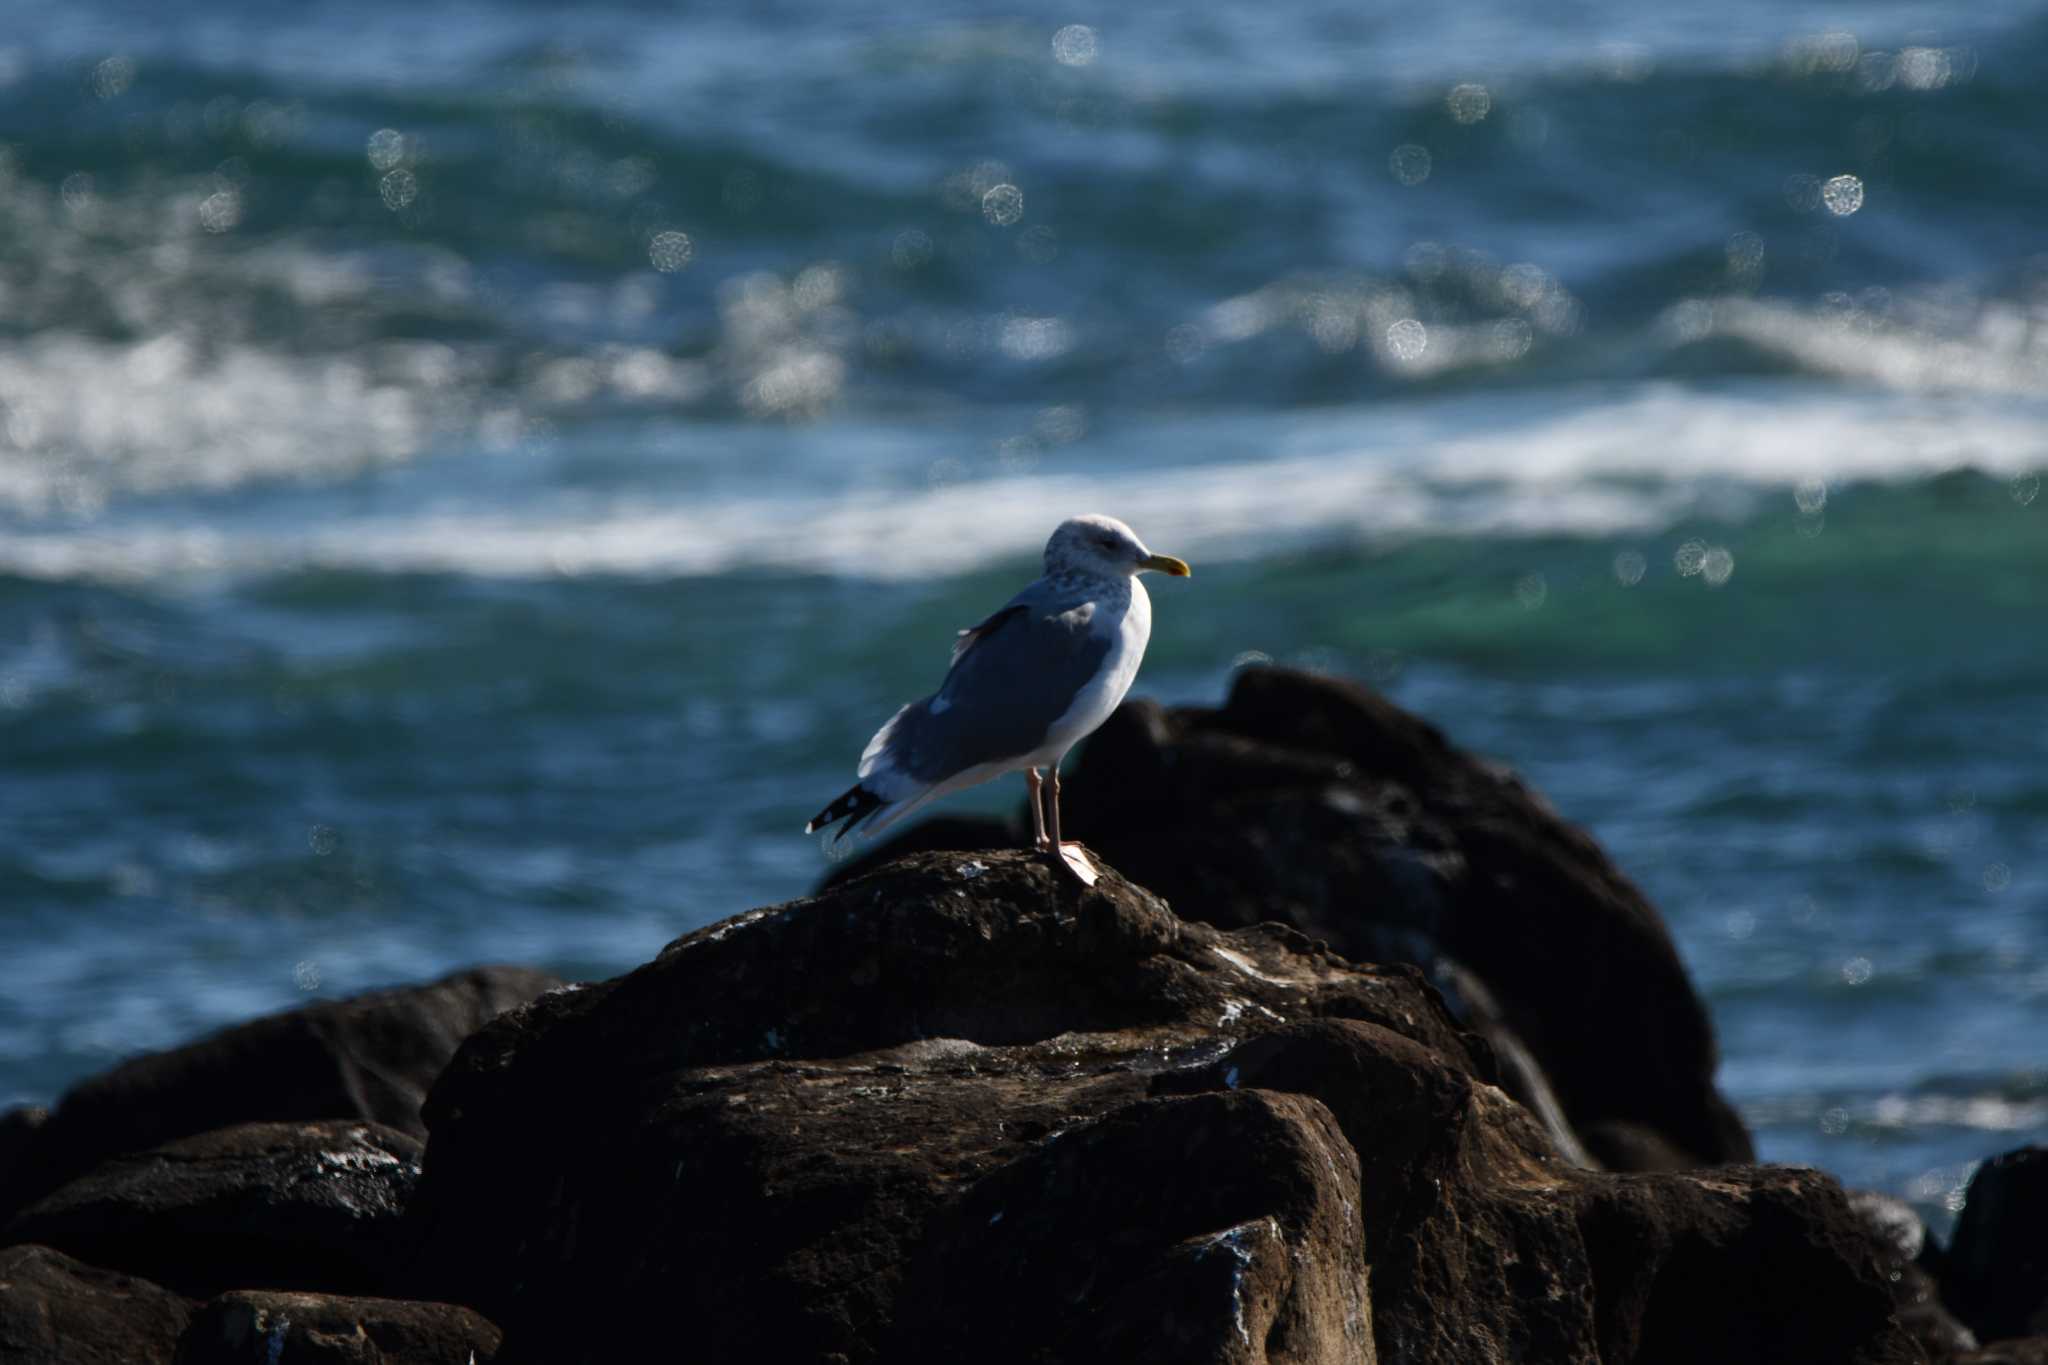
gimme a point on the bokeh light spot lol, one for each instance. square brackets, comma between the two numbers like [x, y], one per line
[911, 249]
[1407, 339]
[220, 211]
[1409, 163]
[398, 189]
[1842, 195]
[386, 149]
[1185, 343]
[670, 251]
[1468, 102]
[1003, 205]
[1074, 45]
[112, 77]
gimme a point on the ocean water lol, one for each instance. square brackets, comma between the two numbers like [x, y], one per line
[473, 476]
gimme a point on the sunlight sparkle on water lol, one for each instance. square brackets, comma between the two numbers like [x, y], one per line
[1409, 163]
[1717, 565]
[1842, 195]
[670, 251]
[398, 189]
[1468, 102]
[911, 249]
[1407, 339]
[1074, 45]
[386, 149]
[1003, 205]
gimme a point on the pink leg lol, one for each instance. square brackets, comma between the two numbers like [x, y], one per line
[1037, 785]
[1073, 858]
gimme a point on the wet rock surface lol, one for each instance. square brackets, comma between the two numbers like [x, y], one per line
[1316, 802]
[824, 1074]
[370, 1057]
[963, 1105]
[55, 1310]
[263, 1327]
[1204, 1227]
[276, 1205]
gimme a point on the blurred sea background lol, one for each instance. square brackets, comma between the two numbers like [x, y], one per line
[472, 476]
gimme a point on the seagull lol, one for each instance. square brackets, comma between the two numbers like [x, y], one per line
[1025, 686]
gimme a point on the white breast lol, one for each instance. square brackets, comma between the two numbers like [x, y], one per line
[1132, 630]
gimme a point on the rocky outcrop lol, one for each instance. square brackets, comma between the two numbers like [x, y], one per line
[1996, 1275]
[368, 1058]
[1316, 802]
[275, 1205]
[958, 1107]
[55, 1311]
[259, 1327]
[821, 1075]
[963, 1106]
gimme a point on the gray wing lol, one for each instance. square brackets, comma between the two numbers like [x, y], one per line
[1012, 677]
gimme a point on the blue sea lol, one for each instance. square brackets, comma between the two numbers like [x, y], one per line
[472, 476]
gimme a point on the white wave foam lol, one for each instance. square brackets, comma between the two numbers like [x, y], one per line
[1603, 466]
[1989, 346]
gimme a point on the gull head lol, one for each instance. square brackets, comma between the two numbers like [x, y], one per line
[1103, 547]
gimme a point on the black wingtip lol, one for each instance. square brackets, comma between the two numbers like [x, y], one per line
[855, 804]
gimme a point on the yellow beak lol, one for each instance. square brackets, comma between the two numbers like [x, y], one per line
[1166, 564]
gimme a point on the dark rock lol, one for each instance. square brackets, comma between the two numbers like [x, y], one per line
[276, 1205]
[753, 1128]
[1740, 1263]
[266, 1327]
[1905, 1251]
[962, 1106]
[1320, 804]
[370, 1057]
[2017, 1351]
[1619, 1145]
[1209, 1227]
[19, 1129]
[1477, 1233]
[1996, 1277]
[55, 1311]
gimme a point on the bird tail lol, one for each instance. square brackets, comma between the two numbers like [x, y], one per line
[854, 805]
